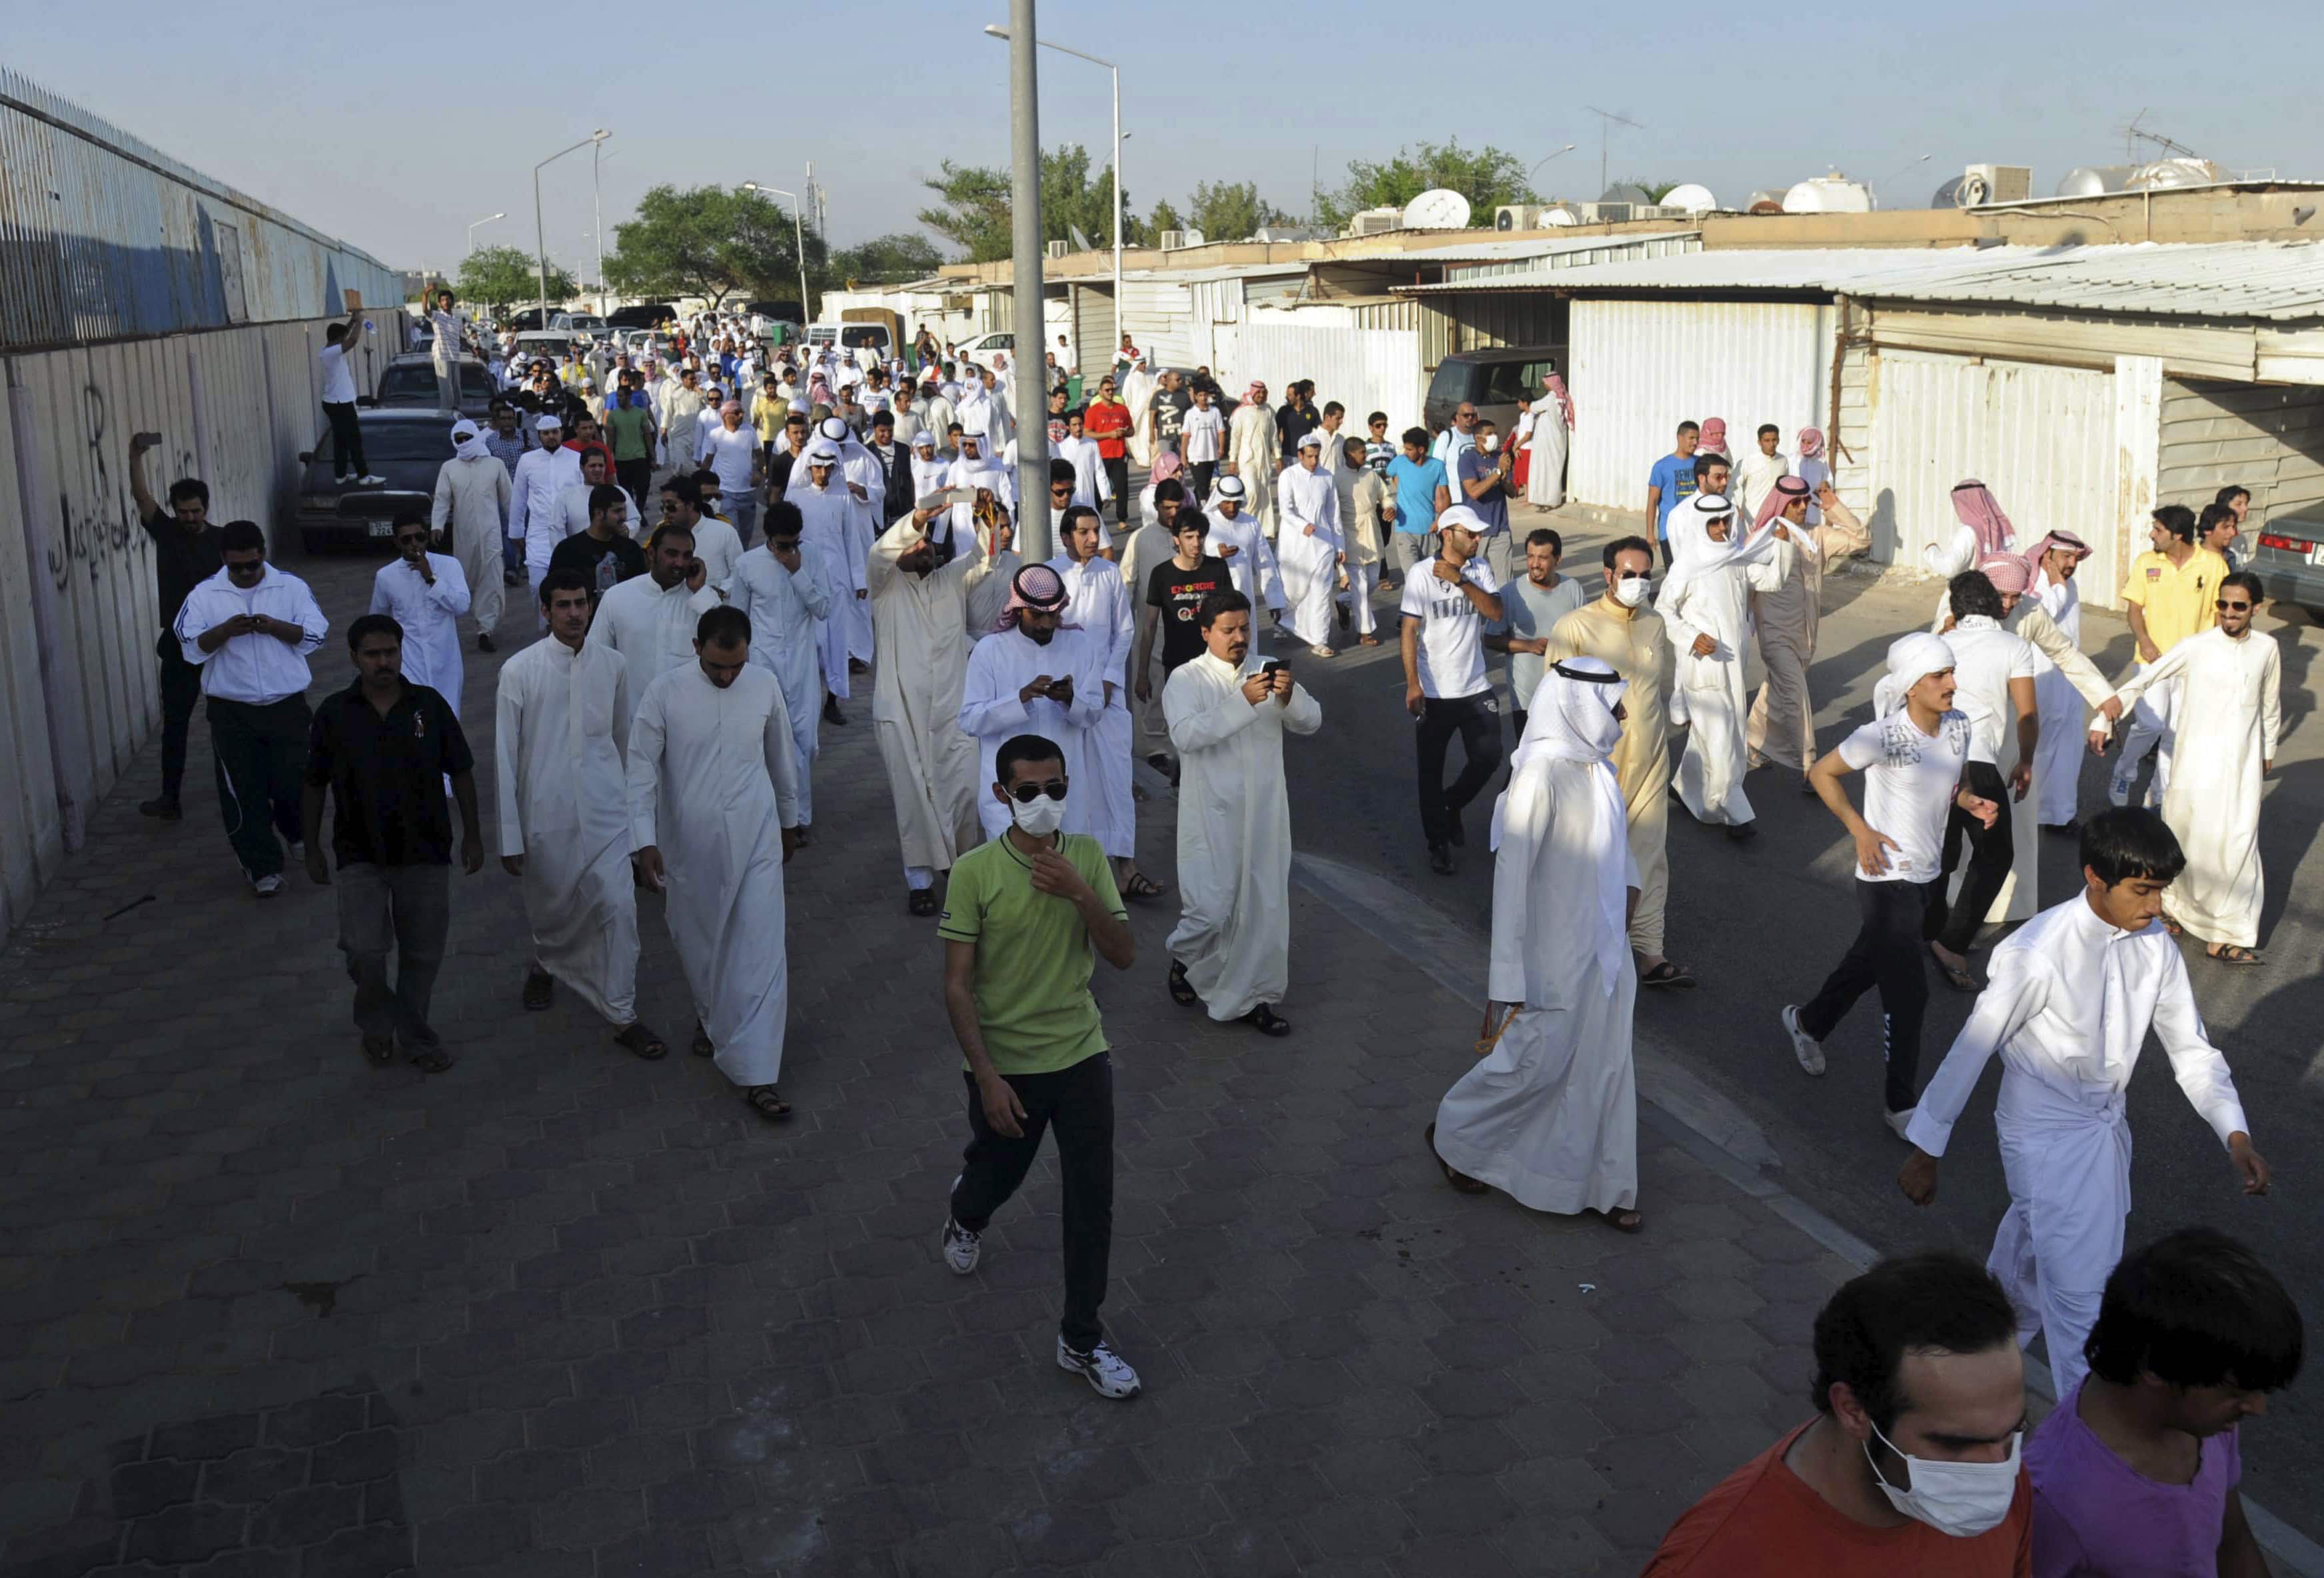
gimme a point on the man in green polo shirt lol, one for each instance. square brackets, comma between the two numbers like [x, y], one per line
[1022, 917]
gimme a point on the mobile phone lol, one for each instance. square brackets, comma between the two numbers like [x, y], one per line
[1268, 669]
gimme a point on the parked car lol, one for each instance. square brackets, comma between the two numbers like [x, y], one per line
[1500, 384]
[409, 380]
[2287, 558]
[406, 447]
[852, 336]
[548, 344]
[644, 315]
[981, 349]
[583, 326]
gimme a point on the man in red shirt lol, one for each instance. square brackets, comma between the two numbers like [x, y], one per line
[1108, 421]
[1911, 1464]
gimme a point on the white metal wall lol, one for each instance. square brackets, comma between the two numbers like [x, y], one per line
[1364, 369]
[2266, 438]
[1094, 340]
[1159, 318]
[2044, 438]
[1639, 368]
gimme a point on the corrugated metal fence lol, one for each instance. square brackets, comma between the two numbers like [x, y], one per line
[135, 296]
[1364, 369]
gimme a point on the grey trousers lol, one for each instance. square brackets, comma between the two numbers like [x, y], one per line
[1408, 549]
[407, 908]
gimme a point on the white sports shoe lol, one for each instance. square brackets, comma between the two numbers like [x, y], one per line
[1106, 1370]
[1804, 1047]
[267, 886]
[1900, 1121]
[368, 480]
[961, 1248]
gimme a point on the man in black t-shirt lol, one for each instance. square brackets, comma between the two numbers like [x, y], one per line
[604, 555]
[1172, 400]
[187, 551]
[1175, 589]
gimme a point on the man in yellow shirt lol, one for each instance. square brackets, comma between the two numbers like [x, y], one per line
[2168, 596]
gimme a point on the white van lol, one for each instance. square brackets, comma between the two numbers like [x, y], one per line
[854, 337]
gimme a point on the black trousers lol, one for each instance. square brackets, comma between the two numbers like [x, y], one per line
[1891, 952]
[636, 476]
[1991, 852]
[1117, 475]
[182, 688]
[1477, 719]
[1199, 475]
[261, 757]
[346, 439]
[1666, 553]
[1078, 1104]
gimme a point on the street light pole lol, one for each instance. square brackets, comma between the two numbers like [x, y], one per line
[1025, 285]
[799, 239]
[597, 219]
[539, 241]
[485, 220]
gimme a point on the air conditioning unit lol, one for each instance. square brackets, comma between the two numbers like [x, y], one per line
[1174, 240]
[1375, 222]
[1604, 213]
[1994, 184]
[1521, 217]
[1060, 248]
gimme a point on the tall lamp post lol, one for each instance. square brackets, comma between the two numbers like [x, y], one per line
[540, 243]
[1003, 32]
[1025, 277]
[485, 220]
[799, 239]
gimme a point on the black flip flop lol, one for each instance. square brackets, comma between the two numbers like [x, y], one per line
[1182, 990]
[1667, 973]
[635, 1038]
[766, 1103]
[703, 1045]
[1267, 1021]
[1458, 1180]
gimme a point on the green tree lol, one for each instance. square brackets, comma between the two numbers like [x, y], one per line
[1231, 210]
[1488, 177]
[1164, 218]
[497, 276]
[711, 242]
[886, 259]
[973, 210]
[1656, 191]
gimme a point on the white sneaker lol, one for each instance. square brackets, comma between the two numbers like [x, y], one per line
[961, 1248]
[1804, 1047]
[297, 852]
[1900, 1121]
[1102, 1367]
[368, 480]
[267, 886]
[2118, 791]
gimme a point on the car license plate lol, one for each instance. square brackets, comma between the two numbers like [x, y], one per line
[381, 528]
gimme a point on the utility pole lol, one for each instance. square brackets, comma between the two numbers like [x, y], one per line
[1031, 399]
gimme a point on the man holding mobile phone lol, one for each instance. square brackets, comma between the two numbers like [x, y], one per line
[650, 620]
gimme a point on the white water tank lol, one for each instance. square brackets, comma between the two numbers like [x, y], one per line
[2090, 181]
[1560, 215]
[1691, 196]
[2169, 172]
[1829, 194]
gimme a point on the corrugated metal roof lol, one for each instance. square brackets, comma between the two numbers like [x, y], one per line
[1531, 246]
[2236, 279]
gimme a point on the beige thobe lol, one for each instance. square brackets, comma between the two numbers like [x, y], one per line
[1636, 644]
[1783, 717]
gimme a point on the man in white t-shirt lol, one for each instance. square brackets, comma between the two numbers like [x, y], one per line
[1445, 609]
[1201, 437]
[1912, 754]
[731, 449]
[1993, 669]
[338, 386]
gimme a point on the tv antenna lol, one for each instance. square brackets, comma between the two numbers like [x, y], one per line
[1606, 121]
[2133, 134]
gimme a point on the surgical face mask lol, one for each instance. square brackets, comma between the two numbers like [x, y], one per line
[1632, 593]
[1042, 817]
[1489, 443]
[1959, 1498]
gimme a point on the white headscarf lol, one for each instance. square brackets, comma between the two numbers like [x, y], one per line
[1694, 554]
[468, 443]
[1572, 719]
[1911, 659]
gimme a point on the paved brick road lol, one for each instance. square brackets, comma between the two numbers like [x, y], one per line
[264, 1310]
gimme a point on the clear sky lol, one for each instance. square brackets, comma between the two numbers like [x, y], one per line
[394, 126]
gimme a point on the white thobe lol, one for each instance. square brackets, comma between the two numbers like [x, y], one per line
[1716, 602]
[992, 712]
[922, 624]
[1234, 832]
[559, 729]
[2058, 763]
[1550, 1115]
[718, 545]
[430, 618]
[471, 515]
[1091, 486]
[980, 610]
[1755, 477]
[828, 513]
[1257, 572]
[786, 612]
[1098, 599]
[652, 629]
[1137, 393]
[2067, 1003]
[860, 469]
[1545, 471]
[537, 504]
[2229, 720]
[1307, 546]
[1254, 448]
[712, 785]
[574, 506]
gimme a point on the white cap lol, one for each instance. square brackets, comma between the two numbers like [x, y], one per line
[1312, 439]
[1463, 516]
[549, 424]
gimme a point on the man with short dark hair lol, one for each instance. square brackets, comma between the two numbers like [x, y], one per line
[1482, 468]
[1531, 607]
[648, 620]
[2136, 1473]
[602, 553]
[1423, 491]
[383, 747]
[1671, 482]
[186, 553]
[1445, 609]
[2167, 597]
[2070, 998]
[1911, 1464]
[1172, 597]
[1025, 917]
[337, 384]
[249, 629]
[425, 594]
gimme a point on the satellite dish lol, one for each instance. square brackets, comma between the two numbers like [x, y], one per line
[1694, 198]
[1081, 241]
[1441, 208]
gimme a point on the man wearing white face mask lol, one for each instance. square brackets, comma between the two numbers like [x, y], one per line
[1911, 1464]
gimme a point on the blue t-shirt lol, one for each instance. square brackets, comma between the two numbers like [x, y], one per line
[1416, 491]
[1674, 474]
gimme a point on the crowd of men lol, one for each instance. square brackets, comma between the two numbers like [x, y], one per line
[857, 517]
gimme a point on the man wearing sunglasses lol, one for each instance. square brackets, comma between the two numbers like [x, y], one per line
[2229, 721]
[1024, 915]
